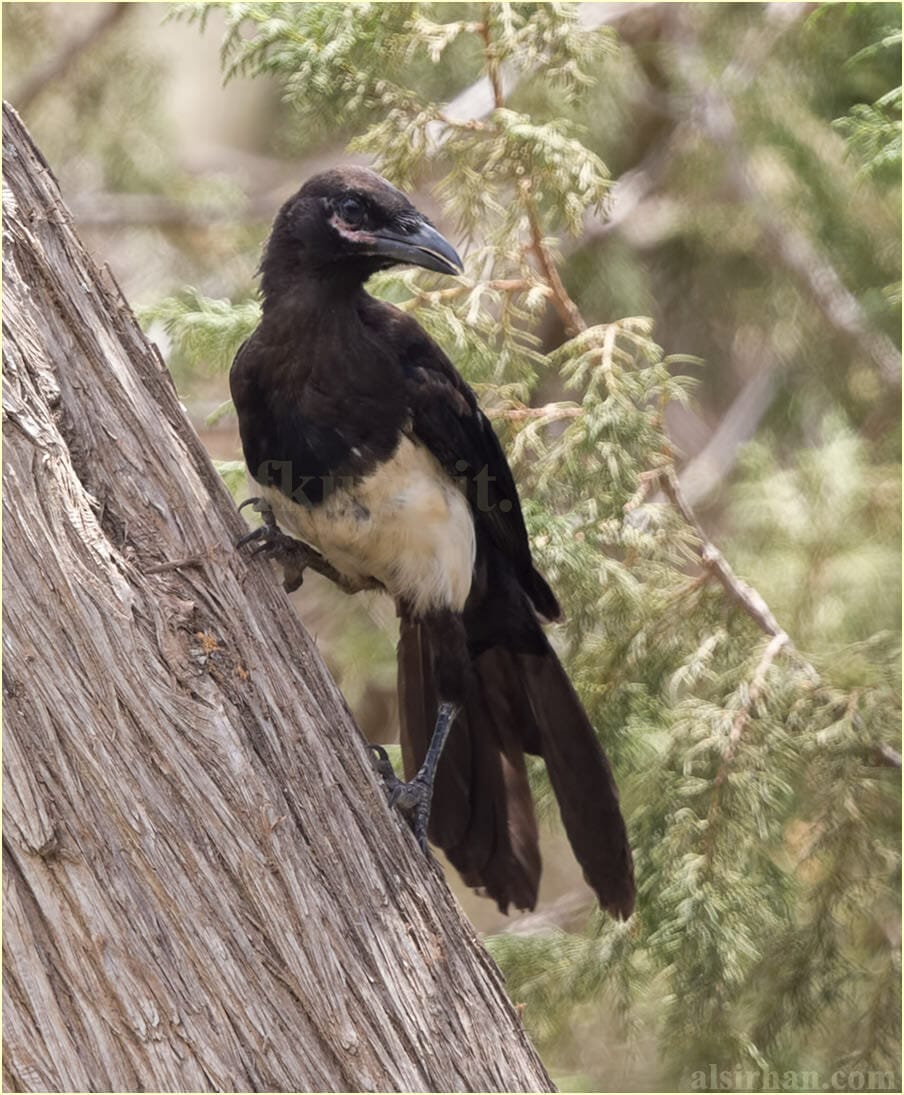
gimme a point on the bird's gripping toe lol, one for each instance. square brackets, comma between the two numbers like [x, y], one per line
[411, 799]
[272, 543]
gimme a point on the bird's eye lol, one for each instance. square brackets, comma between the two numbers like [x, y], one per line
[351, 209]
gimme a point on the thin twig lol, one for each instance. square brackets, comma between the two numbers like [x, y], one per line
[572, 320]
[492, 62]
[552, 412]
[480, 99]
[751, 601]
[713, 559]
[41, 78]
[757, 683]
[471, 124]
[500, 285]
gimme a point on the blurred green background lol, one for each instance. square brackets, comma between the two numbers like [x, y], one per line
[748, 165]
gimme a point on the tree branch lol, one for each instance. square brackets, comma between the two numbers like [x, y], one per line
[41, 78]
[738, 76]
[484, 95]
[751, 601]
[811, 269]
[630, 189]
[702, 474]
[499, 285]
[713, 559]
[743, 594]
[568, 311]
[789, 246]
[492, 64]
[550, 412]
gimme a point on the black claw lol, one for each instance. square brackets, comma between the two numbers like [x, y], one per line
[291, 554]
[410, 799]
[381, 763]
[249, 537]
[264, 531]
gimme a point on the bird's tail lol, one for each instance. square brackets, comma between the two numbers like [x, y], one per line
[483, 815]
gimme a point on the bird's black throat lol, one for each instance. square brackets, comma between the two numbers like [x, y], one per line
[315, 392]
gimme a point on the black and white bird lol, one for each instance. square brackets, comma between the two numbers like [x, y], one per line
[376, 466]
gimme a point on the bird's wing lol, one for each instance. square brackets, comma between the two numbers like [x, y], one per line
[446, 419]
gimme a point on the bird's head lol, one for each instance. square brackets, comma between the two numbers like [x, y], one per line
[346, 224]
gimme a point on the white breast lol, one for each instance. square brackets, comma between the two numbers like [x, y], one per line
[407, 524]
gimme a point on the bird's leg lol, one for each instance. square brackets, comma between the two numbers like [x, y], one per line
[445, 634]
[294, 556]
[414, 797]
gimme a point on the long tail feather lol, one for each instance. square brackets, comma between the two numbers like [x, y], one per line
[483, 816]
[582, 781]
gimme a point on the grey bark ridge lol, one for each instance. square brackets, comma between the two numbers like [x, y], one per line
[204, 888]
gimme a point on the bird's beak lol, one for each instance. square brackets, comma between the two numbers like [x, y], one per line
[422, 247]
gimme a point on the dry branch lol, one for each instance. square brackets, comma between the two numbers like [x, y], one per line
[204, 889]
[740, 592]
[69, 53]
[751, 601]
[888, 757]
[478, 101]
[811, 268]
[572, 320]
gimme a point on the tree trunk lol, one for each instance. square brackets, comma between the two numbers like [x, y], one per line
[204, 888]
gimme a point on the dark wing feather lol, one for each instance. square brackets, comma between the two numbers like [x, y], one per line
[297, 434]
[446, 418]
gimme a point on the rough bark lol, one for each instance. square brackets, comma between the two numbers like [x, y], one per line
[203, 886]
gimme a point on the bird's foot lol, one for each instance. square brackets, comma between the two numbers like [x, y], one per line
[272, 543]
[294, 556]
[411, 799]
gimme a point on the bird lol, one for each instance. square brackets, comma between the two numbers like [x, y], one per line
[374, 464]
